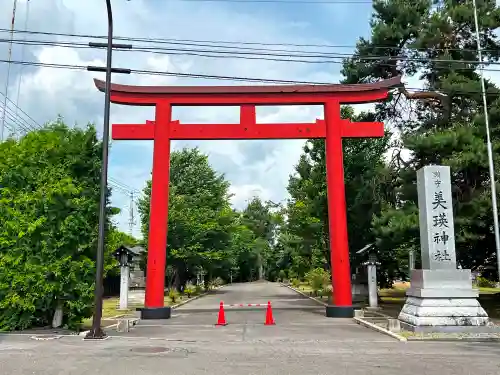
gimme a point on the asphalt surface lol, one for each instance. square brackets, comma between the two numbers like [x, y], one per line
[257, 292]
[302, 342]
[296, 317]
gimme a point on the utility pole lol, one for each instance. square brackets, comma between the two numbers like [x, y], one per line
[22, 54]
[97, 333]
[131, 221]
[9, 59]
[488, 141]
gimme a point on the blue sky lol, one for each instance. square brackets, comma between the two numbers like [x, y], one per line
[253, 167]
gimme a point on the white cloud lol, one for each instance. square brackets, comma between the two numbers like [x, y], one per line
[251, 166]
[244, 193]
[254, 167]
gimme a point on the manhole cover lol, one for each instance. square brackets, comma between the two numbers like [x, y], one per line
[176, 352]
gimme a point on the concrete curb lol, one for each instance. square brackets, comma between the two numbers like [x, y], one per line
[46, 338]
[116, 316]
[379, 329]
[457, 339]
[32, 336]
[84, 333]
[304, 295]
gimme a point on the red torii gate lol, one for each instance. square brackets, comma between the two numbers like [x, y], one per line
[333, 128]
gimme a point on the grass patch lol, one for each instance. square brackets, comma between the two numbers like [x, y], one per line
[393, 293]
[305, 288]
[489, 290]
[393, 299]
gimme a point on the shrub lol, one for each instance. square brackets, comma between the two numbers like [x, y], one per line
[326, 291]
[217, 282]
[282, 275]
[173, 295]
[198, 289]
[318, 279]
[189, 290]
[295, 283]
[483, 282]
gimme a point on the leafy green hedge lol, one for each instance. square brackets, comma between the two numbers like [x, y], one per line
[49, 210]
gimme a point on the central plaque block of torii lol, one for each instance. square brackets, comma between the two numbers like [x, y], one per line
[332, 128]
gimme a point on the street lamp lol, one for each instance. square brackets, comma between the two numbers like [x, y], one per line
[488, 141]
[96, 332]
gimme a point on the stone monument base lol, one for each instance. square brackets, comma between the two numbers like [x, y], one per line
[443, 301]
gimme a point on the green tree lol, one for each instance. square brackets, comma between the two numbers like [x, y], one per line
[263, 219]
[244, 255]
[200, 218]
[49, 200]
[365, 177]
[435, 42]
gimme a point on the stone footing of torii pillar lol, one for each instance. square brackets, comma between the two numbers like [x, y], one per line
[441, 297]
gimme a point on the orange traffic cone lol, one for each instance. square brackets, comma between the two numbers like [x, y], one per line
[221, 321]
[269, 315]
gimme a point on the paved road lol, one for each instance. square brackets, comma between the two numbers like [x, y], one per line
[303, 342]
[297, 318]
[124, 356]
[253, 293]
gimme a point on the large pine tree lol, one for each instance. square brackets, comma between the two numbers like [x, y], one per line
[434, 41]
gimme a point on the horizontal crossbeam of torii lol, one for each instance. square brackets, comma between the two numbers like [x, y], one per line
[333, 129]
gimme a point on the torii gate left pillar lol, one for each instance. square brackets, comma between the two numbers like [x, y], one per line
[333, 129]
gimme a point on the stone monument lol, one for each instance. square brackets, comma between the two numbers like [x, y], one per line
[441, 297]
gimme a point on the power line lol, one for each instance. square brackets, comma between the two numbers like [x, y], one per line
[337, 57]
[214, 77]
[262, 54]
[123, 186]
[251, 55]
[230, 44]
[15, 121]
[25, 121]
[12, 123]
[151, 72]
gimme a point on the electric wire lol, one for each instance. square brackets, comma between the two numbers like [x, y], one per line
[250, 53]
[232, 44]
[214, 77]
[21, 123]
